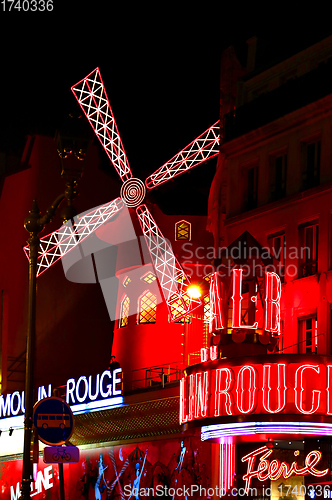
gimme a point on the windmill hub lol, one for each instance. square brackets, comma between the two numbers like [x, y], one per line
[133, 192]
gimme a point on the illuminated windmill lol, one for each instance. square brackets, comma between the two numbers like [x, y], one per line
[91, 95]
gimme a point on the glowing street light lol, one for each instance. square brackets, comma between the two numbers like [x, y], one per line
[194, 291]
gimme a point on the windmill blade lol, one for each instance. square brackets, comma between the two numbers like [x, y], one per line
[201, 149]
[172, 279]
[91, 96]
[55, 245]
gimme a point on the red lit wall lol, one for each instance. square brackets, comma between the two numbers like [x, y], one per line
[162, 471]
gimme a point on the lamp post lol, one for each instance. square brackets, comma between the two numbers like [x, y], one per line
[72, 154]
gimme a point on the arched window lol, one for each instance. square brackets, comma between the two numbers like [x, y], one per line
[126, 281]
[182, 230]
[124, 312]
[147, 308]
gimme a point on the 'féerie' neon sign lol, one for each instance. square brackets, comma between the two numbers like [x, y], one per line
[275, 469]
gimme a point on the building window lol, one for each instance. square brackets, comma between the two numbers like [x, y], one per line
[126, 281]
[207, 278]
[124, 312]
[179, 310]
[148, 277]
[308, 335]
[147, 308]
[277, 243]
[182, 230]
[278, 173]
[311, 164]
[250, 184]
[309, 249]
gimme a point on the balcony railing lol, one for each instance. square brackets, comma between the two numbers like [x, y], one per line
[152, 376]
[143, 379]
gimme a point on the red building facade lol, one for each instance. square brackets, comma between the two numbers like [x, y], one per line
[129, 410]
[270, 212]
[235, 398]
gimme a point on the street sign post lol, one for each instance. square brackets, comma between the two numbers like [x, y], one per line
[61, 454]
[53, 421]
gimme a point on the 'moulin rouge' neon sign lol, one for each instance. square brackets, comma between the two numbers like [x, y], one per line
[275, 469]
[271, 384]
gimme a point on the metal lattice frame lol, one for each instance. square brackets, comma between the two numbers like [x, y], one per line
[91, 96]
[55, 245]
[171, 276]
[204, 147]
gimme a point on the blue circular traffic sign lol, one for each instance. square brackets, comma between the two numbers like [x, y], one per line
[53, 420]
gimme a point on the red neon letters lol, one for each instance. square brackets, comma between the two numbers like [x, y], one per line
[246, 389]
[223, 389]
[271, 303]
[299, 389]
[201, 391]
[216, 318]
[275, 469]
[281, 387]
[237, 301]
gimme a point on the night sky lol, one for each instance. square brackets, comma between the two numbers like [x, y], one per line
[159, 62]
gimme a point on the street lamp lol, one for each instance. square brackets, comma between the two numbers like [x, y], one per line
[194, 291]
[72, 150]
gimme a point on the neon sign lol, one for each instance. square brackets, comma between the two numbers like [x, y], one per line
[274, 384]
[216, 317]
[232, 429]
[86, 390]
[281, 388]
[269, 321]
[275, 469]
